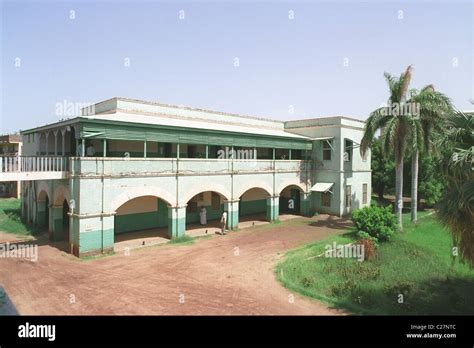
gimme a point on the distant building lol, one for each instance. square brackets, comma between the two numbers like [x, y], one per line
[126, 165]
[10, 145]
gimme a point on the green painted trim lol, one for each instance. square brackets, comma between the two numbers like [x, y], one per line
[96, 240]
[272, 209]
[131, 131]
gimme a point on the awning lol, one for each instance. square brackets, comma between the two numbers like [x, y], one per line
[322, 186]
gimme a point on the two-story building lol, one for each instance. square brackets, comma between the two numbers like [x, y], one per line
[126, 165]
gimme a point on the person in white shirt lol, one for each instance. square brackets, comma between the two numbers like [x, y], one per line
[203, 216]
[223, 221]
[90, 151]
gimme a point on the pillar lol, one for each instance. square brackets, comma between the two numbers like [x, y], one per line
[305, 204]
[207, 151]
[91, 235]
[104, 148]
[272, 208]
[232, 208]
[63, 142]
[56, 223]
[41, 213]
[144, 149]
[176, 221]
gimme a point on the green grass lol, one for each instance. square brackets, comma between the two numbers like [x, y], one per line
[10, 218]
[185, 240]
[417, 263]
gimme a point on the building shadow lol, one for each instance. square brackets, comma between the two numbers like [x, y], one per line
[333, 222]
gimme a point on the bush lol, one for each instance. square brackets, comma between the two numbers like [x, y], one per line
[377, 222]
[362, 235]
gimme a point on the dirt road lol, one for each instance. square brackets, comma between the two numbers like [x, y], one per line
[222, 275]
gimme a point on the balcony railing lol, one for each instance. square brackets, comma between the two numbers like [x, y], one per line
[12, 165]
[27, 164]
[167, 166]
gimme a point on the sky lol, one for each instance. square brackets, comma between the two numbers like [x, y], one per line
[276, 59]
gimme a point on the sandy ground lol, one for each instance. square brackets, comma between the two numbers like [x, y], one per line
[221, 275]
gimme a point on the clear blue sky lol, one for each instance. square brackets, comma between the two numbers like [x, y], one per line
[283, 62]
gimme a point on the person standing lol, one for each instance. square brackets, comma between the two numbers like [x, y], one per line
[223, 221]
[203, 216]
[90, 151]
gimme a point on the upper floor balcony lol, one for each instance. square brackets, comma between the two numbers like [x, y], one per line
[17, 168]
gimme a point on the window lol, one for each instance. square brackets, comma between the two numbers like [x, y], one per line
[327, 150]
[347, 150]
[364, 193]
[326, 199]
[348, 196]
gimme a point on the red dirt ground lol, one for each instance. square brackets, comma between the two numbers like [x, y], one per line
[207, 275]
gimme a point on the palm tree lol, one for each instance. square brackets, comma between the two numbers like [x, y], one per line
[456, 206]
[394, 130]
[428, 115]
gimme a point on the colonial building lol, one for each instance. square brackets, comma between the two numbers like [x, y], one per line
[126, 165]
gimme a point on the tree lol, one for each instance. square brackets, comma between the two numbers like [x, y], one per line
[429, 111]
[456, 206]
[382, 169]
[394, 130]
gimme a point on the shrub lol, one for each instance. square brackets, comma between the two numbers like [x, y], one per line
[362, 235]
[377, 222]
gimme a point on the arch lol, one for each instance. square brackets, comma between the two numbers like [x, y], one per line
[136, 192]
[284, 185]
[254, 185]
[42, 196]
[42, 189]
[60, 194]
[208, 187]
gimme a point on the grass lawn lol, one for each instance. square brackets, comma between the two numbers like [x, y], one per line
[10, 218]
[416, 263]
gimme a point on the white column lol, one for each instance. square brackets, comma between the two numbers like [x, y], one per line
[55, 142]
[63, 142]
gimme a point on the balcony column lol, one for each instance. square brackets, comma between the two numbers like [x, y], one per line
[83, 148]
[305, 203]
[232, 209]
[272, 208]
[273, 154]
[55, 142]
[63, 141]
[46, 150]
[176, 221]
[104, 147]
[207, 151]
[289, 154]
[177, 150]
[144, 149]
